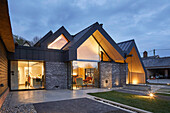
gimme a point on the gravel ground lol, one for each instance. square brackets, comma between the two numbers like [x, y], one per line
[25, 108]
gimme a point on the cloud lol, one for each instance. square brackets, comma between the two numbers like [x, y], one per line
[145, 21]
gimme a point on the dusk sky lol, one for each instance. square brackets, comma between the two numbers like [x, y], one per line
[146, 21]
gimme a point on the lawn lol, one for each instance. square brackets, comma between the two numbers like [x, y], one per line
[143, 102]
[163, 94]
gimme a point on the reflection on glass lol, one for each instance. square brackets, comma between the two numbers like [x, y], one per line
[27, 75]
[85, 74]
[58, 43]
[90, 50]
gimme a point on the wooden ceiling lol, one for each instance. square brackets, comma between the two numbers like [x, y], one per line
[5, 26]
[134, 64]
[110, 50]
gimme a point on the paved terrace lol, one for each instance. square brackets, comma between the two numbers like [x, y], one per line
[38, 96]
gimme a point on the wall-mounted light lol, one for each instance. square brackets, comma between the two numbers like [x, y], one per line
[1, 85]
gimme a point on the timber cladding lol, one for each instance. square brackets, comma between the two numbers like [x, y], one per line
[3, 68]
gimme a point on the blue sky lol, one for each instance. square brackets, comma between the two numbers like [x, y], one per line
[146, 21]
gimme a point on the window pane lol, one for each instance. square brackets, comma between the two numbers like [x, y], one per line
[85, 73]
[90, 50]
[27, 75]
[58, 43]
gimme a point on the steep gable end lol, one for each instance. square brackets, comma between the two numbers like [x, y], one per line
[58, 43]
[50, 38]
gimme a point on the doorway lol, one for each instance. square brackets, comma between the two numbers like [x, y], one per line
[27, 75]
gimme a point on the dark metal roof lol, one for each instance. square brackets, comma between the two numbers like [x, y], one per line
[77, 36]
[50, 37]
[156, 62]
[125, 45]
[44, 38]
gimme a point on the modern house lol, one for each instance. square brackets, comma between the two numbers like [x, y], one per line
[63, 61]
[90, 58]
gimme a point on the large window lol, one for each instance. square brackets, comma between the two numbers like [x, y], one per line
[58, 43]
[90, 50]
[85, 74]
[27, 75]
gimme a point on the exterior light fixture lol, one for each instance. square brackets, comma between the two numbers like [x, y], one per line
[135, 82]
[151, 94]
[1, 85]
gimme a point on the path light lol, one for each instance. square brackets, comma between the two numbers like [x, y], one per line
[151, 94]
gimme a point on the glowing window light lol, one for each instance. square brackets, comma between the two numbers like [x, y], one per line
[135, 82]
[58, 43]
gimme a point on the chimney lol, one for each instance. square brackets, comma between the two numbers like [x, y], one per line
[145, 54]
[101, 25]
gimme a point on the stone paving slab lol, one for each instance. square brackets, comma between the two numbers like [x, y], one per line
[81, 105]
[39, 96]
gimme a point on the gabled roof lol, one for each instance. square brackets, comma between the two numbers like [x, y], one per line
[45, 37]
[26, 43]
[74, 41]
[77, 36]
[127, 47]
[50, 37]
[101, 37]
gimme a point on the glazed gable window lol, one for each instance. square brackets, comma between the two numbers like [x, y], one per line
[90, 50]
[58, 43]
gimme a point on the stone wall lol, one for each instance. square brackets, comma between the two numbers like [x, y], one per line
[112, 74]
[56, 75]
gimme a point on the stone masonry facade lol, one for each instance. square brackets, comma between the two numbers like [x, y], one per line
[112, 74]
[56, 75]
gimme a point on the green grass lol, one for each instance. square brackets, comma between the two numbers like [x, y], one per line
[164, 90]
[143, 102]
[157, 84]
[163, 94]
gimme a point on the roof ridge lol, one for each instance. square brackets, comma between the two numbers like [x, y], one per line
[126, 41]
[44, 37]
[85, 29]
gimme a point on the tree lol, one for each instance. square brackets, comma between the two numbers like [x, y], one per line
[35, 39]
[18, 39]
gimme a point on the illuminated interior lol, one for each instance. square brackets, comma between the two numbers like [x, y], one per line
[84, 74]
[136, 73]
[58, 43]
[27, 75]
[90, 50]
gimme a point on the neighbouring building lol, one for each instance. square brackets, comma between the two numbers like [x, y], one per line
[59, 60]
[157, 67]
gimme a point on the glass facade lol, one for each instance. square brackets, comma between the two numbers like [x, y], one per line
[58, 43]
[27, 75]
[90, 50]
[85, 74]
